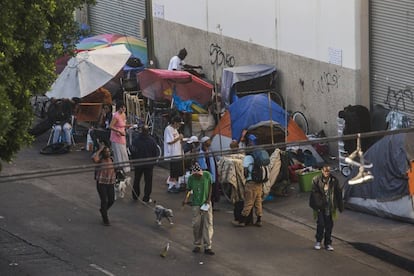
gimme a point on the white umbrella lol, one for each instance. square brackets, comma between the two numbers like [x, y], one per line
[88, 71]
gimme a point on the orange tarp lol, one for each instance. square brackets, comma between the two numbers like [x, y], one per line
[411, 178]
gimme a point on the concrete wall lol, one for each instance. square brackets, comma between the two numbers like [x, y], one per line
[316, 88]
[308, 28]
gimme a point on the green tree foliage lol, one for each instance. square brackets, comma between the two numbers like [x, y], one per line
[33, 34]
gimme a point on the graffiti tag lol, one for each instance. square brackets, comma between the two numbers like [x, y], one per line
[326, 82]
[218, 57]
[397, 99]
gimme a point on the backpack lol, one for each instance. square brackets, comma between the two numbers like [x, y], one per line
[260, 173]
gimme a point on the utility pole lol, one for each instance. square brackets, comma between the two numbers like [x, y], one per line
[150, 34]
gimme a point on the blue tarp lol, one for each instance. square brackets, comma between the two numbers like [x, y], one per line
[183, 105]
[253, 109]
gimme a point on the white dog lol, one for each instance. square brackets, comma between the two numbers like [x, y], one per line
[121, 185]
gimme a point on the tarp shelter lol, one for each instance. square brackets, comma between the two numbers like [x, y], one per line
[255, 112]
[388, 195]
[263, 73]
[159, 85]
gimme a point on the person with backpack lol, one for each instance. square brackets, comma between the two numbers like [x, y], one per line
[256, 174]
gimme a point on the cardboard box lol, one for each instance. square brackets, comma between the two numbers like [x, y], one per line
[305, 180]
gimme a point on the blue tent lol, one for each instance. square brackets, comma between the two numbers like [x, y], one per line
[255, 110]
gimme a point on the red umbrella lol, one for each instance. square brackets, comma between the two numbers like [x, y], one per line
[61, 63]
[159, 84]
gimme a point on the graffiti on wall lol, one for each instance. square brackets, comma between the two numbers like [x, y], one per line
[220, 58]
[397, 99]
[326, 82]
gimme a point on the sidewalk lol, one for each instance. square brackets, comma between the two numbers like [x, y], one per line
[390, 240]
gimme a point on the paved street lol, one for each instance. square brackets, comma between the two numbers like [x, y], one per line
[51, 226]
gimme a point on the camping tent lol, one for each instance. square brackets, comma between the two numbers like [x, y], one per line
[388, 195]
[247, 78]
[253, 113]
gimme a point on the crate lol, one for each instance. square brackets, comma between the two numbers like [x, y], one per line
[305, 180]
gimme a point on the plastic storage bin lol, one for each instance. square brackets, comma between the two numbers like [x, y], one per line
[305, 180]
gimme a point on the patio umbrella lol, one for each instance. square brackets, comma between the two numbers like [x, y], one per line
[138, 48]
[88, 71]
[159, 84]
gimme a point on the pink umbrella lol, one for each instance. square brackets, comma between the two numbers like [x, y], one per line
[159, 84]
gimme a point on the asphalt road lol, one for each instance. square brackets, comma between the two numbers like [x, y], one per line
[52, 226]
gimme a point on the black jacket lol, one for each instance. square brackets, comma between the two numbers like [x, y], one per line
[317, 200]
[144, 146]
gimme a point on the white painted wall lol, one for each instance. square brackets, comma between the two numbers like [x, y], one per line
[306, 28]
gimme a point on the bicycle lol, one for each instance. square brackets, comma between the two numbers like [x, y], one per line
[301, 121]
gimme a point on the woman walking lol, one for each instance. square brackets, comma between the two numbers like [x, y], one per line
[118, 137]
[105, 181]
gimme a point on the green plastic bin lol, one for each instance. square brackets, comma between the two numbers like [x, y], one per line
[305, 180]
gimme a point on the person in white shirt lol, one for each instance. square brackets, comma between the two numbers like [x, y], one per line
[173, 147]
[177, 62]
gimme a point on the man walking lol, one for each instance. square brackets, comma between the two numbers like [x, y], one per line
[325, 199]
[143, 146]
[199, 183]
[253, 193]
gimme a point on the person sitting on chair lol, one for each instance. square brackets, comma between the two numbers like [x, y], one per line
[63, 119]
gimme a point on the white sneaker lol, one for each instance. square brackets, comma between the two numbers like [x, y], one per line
[317, 246]
[149, 201]
[329, 247]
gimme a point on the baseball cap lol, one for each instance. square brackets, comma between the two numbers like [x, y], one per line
[251, 138]
[204, 139]
[192, 139]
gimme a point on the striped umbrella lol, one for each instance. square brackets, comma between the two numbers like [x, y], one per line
[138, 48]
